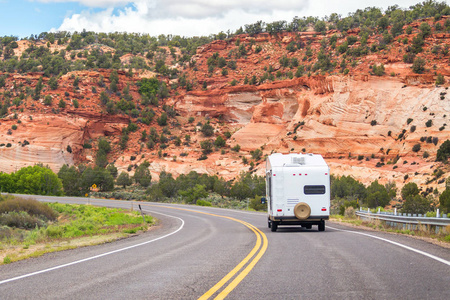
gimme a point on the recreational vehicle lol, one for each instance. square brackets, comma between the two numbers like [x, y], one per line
[297, 190]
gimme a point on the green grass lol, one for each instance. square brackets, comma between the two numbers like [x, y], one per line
[73, 223]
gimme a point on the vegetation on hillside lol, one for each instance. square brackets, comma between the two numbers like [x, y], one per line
[337, 45]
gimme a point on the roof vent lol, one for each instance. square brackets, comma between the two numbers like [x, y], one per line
[298, 160]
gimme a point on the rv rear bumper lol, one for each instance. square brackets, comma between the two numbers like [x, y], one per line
[314, 220]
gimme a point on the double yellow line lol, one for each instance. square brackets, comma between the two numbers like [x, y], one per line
[248, 262]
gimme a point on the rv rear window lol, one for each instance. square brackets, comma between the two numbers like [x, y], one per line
[314, 189]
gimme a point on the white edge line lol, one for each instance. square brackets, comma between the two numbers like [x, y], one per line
[397, 244]
[97, 256]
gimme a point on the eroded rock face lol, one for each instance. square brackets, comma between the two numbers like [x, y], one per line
[54, 140]
[359, 122]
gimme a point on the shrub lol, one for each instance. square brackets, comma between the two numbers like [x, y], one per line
[29, 206]
[201, 202]
[416, 148]
[440, 79]
[418, 65]
[219, 142]
[20, 219]
[62, 103]
[47, 100]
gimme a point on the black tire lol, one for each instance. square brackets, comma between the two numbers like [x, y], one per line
[322, 226]
[274, 226]
[308, 226]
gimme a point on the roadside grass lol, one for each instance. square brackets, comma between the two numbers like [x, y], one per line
[380, 226]
[24, 234]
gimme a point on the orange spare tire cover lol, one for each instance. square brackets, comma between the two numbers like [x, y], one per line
[302, 211]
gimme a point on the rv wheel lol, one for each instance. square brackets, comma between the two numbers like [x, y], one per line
[274, 226]
[322, 226]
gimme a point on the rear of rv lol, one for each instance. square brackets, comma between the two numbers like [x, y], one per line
[298, 190]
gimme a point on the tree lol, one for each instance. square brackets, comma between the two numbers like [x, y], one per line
[194, 193]
[70, 178]
[142, 174]
[207, 129]
[112, 169]
[320, 26]
[377, 195]
[444, 201]
[416, 205]
[443, 152]
[123, 179]
[425, 29]
[383, 23]
[162, 120]
[348, 188]
[53, 83]
[37, 180]
[98, 176]
[207, 146]
[409, 190]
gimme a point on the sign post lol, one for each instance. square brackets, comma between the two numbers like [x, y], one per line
[142, 214]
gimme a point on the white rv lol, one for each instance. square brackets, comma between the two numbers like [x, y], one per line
[297, 190]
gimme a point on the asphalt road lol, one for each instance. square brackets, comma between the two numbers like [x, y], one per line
[197, 252]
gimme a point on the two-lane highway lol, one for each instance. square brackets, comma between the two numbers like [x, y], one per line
[208, 252]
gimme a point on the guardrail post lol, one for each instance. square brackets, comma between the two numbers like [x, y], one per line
[437, 213]
[395, 211]
[368, 210]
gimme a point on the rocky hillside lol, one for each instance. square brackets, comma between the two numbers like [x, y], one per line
[374, 102]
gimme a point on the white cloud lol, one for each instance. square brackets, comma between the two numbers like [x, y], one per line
[202, 17]
[90, 3]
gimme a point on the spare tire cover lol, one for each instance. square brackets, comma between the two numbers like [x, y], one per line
[302, 211]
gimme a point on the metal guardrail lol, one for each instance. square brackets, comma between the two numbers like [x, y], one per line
[408, 221]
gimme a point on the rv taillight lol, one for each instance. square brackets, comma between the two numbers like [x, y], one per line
[324, 209]
[326, 173]
[279, 210]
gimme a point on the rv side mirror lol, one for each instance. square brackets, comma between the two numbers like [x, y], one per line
[263, 200]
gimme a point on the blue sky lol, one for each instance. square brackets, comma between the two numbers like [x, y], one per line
[22, 18]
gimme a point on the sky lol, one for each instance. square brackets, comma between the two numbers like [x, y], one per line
[22, 18]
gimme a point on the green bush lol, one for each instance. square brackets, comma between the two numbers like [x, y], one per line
[29, 206]
[20, 220]
[201, 202]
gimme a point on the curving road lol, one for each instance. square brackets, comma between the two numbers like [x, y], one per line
[197, 252]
